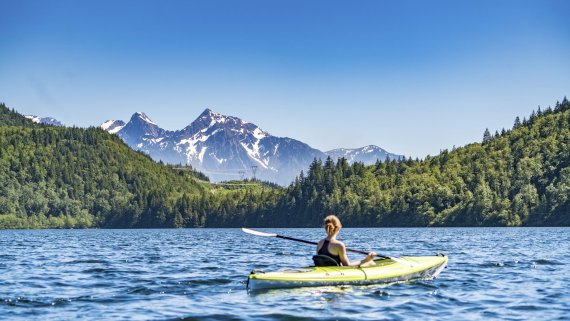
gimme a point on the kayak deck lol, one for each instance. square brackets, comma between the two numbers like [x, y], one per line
[384, 271]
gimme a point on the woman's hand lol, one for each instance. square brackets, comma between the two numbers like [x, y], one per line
[370, 256]
[367, 259]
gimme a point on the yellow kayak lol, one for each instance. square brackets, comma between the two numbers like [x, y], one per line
[384, 271]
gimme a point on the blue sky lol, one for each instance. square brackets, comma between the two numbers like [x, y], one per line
[413, 77]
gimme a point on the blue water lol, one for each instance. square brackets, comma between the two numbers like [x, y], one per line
[200, 274]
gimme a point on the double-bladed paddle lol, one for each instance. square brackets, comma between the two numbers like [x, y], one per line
[258, 233]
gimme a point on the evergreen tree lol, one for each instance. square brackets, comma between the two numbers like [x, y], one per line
[486, 135]
[517, 123]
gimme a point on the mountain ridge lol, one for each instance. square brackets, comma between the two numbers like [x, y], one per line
[227, 147]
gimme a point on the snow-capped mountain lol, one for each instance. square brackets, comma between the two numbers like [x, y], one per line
[227, 147]
[44, 120]
[367, 154]
[222, 147]
[113, 126]
[138, 131]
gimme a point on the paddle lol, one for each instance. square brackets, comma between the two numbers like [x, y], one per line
[258, 233]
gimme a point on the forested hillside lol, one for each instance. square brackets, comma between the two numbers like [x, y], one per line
[515, 177]
[11, 118]
[54, 177]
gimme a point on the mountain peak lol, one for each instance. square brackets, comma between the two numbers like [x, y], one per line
[113, 126]
[367, 154]
[207, 111]
[209, 118]
[372, 148]
[140, 116]
[210, 114]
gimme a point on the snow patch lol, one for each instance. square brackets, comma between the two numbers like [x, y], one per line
[105, 125]
[153, 140]
[145, 118]
[44, 120]
[35, 119]
[259, 134]
[253, 153]
[116, 129]
[219, 160]
[113, 126]
[201, 155]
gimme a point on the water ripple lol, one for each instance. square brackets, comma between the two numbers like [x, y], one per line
[197, 274]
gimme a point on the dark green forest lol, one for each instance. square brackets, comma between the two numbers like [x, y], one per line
[516, 177]
[54, 177]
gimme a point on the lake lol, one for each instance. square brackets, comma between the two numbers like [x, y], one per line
[200, 274]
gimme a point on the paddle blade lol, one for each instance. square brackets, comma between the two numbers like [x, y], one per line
[258, 233]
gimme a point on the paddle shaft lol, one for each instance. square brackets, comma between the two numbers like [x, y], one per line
[315, 243]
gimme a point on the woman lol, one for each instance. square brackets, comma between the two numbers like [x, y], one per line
[335, 249]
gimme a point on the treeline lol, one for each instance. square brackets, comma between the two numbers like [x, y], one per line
[517, 177]
[12, 118]
[54, 177]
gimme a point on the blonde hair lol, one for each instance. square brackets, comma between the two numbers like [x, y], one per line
[332, 223]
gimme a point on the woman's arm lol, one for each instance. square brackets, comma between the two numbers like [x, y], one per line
[346, 262]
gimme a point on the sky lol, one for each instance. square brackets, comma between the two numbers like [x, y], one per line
[413, 77]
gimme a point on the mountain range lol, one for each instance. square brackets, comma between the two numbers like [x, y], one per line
[226, 148]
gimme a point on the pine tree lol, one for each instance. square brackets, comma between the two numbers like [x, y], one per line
[486, 135]
[565, 104]
[517, 123]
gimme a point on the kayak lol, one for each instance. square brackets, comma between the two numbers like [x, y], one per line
[383, 271]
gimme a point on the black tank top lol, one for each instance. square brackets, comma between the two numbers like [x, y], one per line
[325, 251]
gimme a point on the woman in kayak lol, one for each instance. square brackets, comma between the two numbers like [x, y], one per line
[335, 249]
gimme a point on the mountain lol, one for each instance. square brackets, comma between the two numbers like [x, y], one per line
[367, 154]
[44, 120]
[227, 147]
